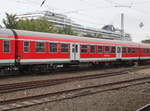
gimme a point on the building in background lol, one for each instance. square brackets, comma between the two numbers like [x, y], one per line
[60, 20]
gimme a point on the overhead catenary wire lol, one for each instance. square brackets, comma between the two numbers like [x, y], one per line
[133, 3]
[114, 4]
[79, 10]
[85, 9]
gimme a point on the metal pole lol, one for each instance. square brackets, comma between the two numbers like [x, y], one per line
[122, 26]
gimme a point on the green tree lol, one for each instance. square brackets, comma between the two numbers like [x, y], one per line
[147, 41]
[10, 21]
[40, 25]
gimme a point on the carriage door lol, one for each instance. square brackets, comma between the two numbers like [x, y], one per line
[75, 53]
[118, 52]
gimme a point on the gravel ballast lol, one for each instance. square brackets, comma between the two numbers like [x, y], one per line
[128, 99]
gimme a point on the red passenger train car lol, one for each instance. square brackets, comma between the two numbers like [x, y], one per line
[28, 48]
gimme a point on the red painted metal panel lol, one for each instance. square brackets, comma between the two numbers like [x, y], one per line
[47, 55]
[7, 55]
[32, 54]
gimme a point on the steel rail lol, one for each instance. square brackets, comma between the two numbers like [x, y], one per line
[8, 105]
[7, 88]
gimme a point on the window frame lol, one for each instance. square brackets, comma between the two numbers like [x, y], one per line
[146, 50]
[98, 49]
[81, 48]
[50, 48]
[92, 50]
[124, 51]
[4, 46]
[129, 51]
[133, 50]
[105, 49]
[113, 51]
[43, 48]
[61, 47]
[24, 47]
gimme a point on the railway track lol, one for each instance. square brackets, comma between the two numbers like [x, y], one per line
[23, 102]
[144, 108]
[8, 88]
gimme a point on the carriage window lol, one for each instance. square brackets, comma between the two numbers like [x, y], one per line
[107, 49]
[40, 47]
[6, 46]
[118, 49]
[133, 50]
[100, 50]
[64, 47]
[129, 50]
[113, 50]
[124, 50]
[146, 50]
[26, 46]
[83, 48]
[74, 48]
[52, 47]
[92, 49]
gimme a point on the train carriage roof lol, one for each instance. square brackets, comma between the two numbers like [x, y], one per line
[70, 37]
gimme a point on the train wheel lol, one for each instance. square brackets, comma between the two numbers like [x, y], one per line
[136, 63]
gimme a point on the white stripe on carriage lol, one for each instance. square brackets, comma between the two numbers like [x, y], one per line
[7, 61]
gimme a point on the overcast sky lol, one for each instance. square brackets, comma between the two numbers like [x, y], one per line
[91, 13]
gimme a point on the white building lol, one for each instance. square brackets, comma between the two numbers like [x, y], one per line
[61, 20]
